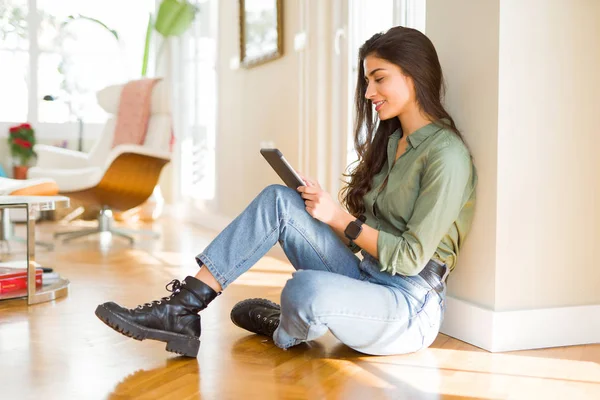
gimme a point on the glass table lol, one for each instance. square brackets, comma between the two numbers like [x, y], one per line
[32, 204]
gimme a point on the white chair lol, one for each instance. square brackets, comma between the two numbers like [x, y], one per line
[118, 178]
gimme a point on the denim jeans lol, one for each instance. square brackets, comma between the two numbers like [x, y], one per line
[332, 289]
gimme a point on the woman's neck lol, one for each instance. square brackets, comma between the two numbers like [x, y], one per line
[412, 121]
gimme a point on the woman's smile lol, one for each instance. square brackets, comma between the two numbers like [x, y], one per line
[378, 105]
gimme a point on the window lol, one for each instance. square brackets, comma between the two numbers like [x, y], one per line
[196, 75]
[365, 21]
[14, 59]
[45, 53]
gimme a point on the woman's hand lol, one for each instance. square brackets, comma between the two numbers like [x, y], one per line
[309, 182]
[319, 204]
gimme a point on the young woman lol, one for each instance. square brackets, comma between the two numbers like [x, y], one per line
[408, 207]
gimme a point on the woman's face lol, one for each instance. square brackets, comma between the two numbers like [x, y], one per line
[390, 91]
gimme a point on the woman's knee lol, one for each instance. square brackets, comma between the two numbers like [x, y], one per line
[279, 193]
[276, 190]
[304, 292]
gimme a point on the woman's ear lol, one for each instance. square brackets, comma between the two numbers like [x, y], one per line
[410, 84]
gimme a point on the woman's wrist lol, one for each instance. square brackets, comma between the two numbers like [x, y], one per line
[341, 221]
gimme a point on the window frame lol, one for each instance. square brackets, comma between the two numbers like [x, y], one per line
[48, 132]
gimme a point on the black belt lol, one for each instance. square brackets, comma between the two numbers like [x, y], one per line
[435, 275]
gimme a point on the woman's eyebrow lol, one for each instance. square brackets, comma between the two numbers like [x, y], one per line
[373, 72]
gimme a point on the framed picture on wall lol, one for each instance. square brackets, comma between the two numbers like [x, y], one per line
[261, 31]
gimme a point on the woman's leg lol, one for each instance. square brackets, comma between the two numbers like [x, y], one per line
[277, 214]
[368, 317]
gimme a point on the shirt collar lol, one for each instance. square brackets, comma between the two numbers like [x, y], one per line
[419, 136]
[414, 139]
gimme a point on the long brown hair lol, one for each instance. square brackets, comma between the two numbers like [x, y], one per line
[414, 53]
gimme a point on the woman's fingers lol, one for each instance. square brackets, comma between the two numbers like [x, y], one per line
[308, 189]
[302, 177]
[309, 182]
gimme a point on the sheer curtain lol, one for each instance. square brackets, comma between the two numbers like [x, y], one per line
[194, 87]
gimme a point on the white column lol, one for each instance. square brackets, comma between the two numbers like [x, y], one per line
[523, 87]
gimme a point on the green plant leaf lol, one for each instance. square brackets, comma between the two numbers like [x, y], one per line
[174, 17]
[71, 18]
[147, 45]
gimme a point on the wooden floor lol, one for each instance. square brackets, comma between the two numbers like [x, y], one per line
[60, 350]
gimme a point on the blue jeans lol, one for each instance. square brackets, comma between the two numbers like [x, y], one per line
[333, 289]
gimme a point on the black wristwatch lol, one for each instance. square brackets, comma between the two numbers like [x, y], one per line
[354, 228]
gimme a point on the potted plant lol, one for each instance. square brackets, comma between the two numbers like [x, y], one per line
[21, 140]
[174, 17]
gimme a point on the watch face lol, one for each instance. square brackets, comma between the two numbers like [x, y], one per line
[352, 230]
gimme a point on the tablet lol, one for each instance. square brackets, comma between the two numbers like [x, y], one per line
[283, 168]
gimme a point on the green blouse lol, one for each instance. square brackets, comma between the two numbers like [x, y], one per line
[426, 208]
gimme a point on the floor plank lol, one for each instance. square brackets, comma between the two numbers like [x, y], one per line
[60, 350]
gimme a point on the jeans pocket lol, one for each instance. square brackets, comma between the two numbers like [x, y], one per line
[432, 311]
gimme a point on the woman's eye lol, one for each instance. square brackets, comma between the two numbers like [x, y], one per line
[378, 80]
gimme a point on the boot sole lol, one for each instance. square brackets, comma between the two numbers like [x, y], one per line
[176, 343]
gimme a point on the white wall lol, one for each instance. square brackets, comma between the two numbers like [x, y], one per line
[254, 105]
[523, 86]
[465, 34]
[548, 167]
[523, 83]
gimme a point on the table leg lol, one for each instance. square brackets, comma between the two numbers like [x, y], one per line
[30, 254]
[34, 296]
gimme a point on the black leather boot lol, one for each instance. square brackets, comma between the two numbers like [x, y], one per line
[259, 316]
[172, 319]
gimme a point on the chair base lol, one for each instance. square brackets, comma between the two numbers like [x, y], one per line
[105, 224]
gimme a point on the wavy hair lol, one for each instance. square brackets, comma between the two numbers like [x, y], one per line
[414, 53]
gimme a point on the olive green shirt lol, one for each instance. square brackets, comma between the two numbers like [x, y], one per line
[426, 208]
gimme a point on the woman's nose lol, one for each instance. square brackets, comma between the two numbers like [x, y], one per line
[369, 93]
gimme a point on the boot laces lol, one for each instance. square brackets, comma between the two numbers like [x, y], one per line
[174, 287]
[266, 324]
